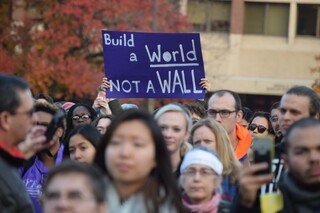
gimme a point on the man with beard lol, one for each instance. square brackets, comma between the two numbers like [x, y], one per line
[297, 103]
[300, 186]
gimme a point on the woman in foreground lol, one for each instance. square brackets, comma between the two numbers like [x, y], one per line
[135, 159]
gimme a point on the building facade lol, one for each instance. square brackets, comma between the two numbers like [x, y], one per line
[257, 47]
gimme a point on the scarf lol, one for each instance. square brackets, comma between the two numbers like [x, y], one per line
[210, 206]
[304, 201]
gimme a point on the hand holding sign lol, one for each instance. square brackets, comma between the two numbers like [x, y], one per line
[153, 65]
[104, 85]
[205, 84]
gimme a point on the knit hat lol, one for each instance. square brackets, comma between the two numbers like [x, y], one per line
[67, 105]
[202, 156]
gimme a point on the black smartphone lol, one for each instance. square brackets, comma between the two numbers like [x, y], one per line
[263, 151]
[56, 122]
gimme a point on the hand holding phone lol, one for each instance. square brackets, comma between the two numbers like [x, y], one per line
[263, 151]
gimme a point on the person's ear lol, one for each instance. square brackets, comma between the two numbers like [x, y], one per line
[219, 180]
[239, 116]
[5, 120]
[60, 132]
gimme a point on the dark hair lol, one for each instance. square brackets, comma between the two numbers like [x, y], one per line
[45, 107]
[314, 103]
[161, 176]
[96, 121]
[96, 179]
[9, 87]
[88, 131]
[52, 109]
[236, 97]
[300, 124]
[275, 105]
[265, 115]
[197, 107]
[92, 112]
[247, 113]
[46, 97]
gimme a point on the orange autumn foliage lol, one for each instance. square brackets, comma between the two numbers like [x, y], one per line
[58, 48]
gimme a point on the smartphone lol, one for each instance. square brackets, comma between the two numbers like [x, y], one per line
[101, 95]
[56, 122]
[263, 151]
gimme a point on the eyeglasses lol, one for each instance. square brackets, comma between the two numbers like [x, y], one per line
[29, 113]
[223, 113]
[274, 118]
[83, 117]
[202, 172]
[261, 129]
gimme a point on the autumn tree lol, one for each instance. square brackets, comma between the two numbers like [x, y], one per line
[58, 47]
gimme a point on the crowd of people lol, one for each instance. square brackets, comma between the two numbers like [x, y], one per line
[197, 157]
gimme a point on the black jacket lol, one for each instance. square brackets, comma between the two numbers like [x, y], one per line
[13, 197]
[295, 199]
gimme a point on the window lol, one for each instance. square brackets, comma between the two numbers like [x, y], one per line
[266, 19]
[308, 20]
[209, 15]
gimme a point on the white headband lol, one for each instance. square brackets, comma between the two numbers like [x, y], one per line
[199, 156]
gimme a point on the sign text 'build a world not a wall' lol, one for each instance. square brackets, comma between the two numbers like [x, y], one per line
[153, 65]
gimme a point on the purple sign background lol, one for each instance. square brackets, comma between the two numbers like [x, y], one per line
[153, 65]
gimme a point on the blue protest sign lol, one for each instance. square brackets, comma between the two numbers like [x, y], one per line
[153, 65]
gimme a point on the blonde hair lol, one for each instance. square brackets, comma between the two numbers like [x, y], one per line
[175, 107]
[231, 165]
[184, 148]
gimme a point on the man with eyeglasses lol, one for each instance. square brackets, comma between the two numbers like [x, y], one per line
[16, 126]
[35, 169]
[224, 106]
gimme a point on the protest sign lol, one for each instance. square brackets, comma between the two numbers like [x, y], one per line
[153, 65]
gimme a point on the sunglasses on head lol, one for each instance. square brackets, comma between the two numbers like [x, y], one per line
[261, 129]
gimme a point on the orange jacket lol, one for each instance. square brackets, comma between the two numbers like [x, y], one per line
[244, 142]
